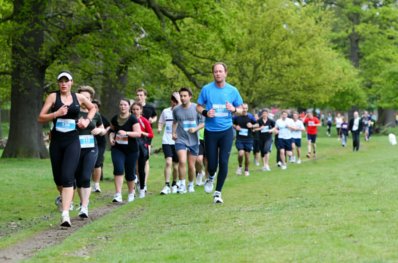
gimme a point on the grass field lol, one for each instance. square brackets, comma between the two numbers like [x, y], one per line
[341, 207]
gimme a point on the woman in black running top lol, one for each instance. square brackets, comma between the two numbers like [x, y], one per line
[62, 108]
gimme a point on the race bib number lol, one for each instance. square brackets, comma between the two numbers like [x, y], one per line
[65, 125]
[122, 139]
[86, 141]
[220, 110]
[311, 123]
[188, 125]
[265, 129]
[244, 132]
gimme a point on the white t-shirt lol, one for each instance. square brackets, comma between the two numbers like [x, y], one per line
[339, 121]
[298, 124]
[284, 131]
[166, 118]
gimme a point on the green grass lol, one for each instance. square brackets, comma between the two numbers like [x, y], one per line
[341, 207]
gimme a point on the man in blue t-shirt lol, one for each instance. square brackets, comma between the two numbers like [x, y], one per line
[217, 101]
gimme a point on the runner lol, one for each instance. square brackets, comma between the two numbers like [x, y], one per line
[146, 135]
[186, 124]
[101, 142]
[65, 146]
[217, 101]
[168, 146]
[284, 125]
[338, 120]
[149, 112]
[123, 135]
[312, 124]
[256, 144]
[243, 125]
[265, 129]
[298, 128]
[329, 122]
[355, 127]
[344, 132]
[88, 152]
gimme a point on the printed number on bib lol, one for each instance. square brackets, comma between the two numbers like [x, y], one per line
[122, 139]
[244, 132]
[188, 125]
[86, 141]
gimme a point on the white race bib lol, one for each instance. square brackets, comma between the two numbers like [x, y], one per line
[265, 129]
[188, 125]
[311, 123]
[244, 132]
[122, 139]
[65, 125]
[87, 141]
[169, 128]
[220, 110]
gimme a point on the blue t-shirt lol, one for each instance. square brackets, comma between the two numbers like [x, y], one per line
[213, 97]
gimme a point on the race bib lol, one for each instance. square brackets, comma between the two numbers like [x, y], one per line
[169, 128]
[244, 132]
[87, 141]
[311, 123]
[122, 139]
[188, 125]
[265, 129]
[220, 110]
[65, 125]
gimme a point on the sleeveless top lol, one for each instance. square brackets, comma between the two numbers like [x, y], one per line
[65, 125]
[125, 143]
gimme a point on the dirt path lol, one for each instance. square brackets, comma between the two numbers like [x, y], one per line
[50, 237]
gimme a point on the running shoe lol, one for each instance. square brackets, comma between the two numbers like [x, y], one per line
[247, 173]
[142, 193]
[191, 188]
[65, 221]
[131, 197]
[199, 179]
[239, 171]
[83, 212]
[283, 167]
[257, 163]
[217, 198]
[208, 186]
[298, 161]
[308, 155]
[174, 189]
[182, 189]
[279, 164]
[97, 189]
[166, 190]
[117, 198]
[266, 168]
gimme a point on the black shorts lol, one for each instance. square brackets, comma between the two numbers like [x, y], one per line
[202, 148]
[169, 150]
[256, 146]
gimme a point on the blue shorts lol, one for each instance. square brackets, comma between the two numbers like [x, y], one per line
[297, 142]
[246, 145]
[311, 137]
[285, 144]
[169, 151]
[194, 149]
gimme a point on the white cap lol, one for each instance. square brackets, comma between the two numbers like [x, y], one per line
[64, 74]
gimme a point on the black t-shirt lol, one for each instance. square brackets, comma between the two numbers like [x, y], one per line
[245, 133]
[148, 111]
[132, 145]
[269, 124]
[101, 140]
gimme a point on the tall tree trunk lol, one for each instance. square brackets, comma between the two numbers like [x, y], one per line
[386, 117]
[25, 137]
[114, 90]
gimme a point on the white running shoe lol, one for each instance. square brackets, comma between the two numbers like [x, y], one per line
[217, 198]
[117, 198]
[65, 221]
[182, 189]
[247, 173]
[166, 190]
[239, 171]
[131, 197]
[83, 212]
[174, 189]
[97, 189]
[199, 179]
[257, 163]
[266, 168]
[298, 161]
[208, 186]
[283, 167]
[191, 188]
[142, 193]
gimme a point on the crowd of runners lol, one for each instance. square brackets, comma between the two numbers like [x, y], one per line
[197, 138]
